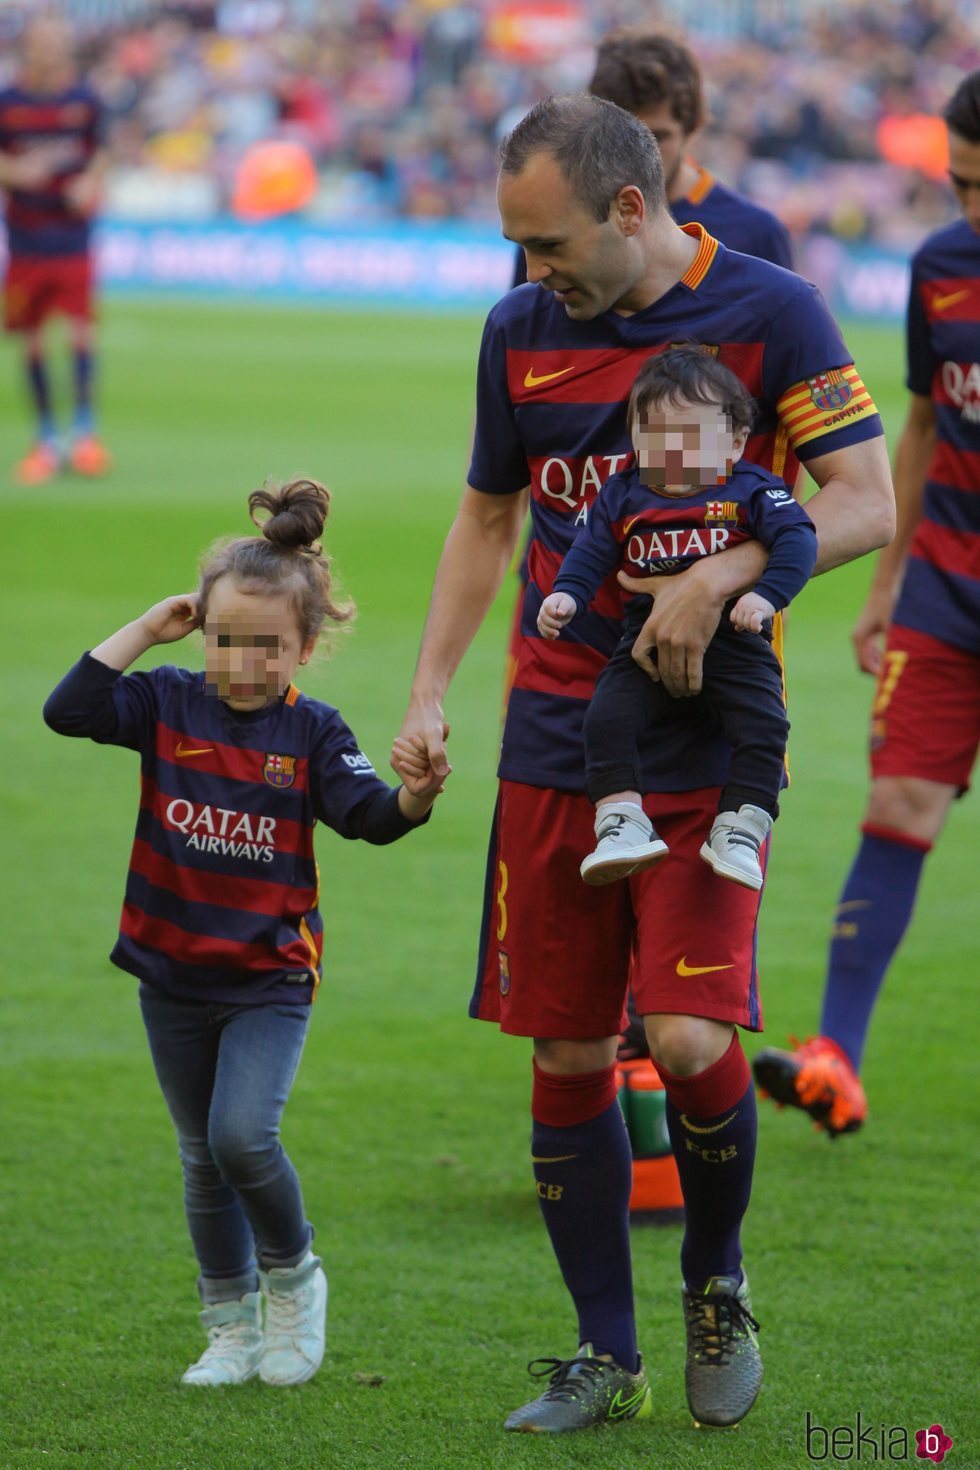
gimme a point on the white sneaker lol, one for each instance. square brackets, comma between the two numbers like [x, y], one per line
[295, 1322]
[733, 845]
[625, 843]
[234, 1343]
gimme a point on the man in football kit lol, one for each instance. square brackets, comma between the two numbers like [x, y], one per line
[612, 279]
[925, 603]
[51, 166]
[658, 80]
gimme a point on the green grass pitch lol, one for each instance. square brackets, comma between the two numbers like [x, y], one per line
[409, 1124]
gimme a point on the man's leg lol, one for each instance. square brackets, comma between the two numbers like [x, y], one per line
[88, 454]
[711, 1117]
[42, 461]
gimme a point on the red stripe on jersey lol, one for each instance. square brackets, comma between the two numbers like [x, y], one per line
[290, 836]
[216, 759]
[47, 117]
[564, 667]
[951, 299]
[579, 375]
[959, 468]
[198, 885]
[542, 566]
[210, 953]
[956, 552]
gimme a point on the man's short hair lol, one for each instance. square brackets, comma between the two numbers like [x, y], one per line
[962, 111]
[690, 373]
[599, 148]
[638, 68]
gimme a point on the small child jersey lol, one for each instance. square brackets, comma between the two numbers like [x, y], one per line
[737, 222]
[645, 532]
[551, 412]
[40, 221]
[941, 591]
[223, 888]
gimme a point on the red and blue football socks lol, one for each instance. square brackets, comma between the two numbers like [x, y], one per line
[583, 1175]
[872, 916]
[711, 1118]
[40, 391]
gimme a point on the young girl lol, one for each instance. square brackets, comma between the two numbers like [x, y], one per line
[220, 919]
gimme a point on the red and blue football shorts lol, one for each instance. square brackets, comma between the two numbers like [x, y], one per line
[37, 287]
[925, 720]
[556, 955]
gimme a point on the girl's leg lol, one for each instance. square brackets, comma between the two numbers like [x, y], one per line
[257, 1058]
[184, 1041]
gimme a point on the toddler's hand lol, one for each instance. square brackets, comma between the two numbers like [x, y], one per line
[171, 619]
[556, 610]
[750, 612]
[410, 759]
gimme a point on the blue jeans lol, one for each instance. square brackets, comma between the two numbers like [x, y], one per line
[226, 1072]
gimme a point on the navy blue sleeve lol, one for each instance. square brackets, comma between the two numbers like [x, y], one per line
[783, 526]
[595, 552]
[499, 464]
[347, 793]
[104, 705]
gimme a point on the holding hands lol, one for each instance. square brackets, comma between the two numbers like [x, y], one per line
[557, 610]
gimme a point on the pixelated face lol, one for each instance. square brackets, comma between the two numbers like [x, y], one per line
[252, 644]
[685, 447]
[589, 264]
[964, 175]
[671, 138]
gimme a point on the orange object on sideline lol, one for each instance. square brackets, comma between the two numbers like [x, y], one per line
[916, 141]
[274, 179]
[656, 1197]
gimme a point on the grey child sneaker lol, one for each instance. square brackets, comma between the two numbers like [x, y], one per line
[735, 841]
[625, 842]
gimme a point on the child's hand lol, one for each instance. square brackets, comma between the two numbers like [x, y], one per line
[556, 610]
[750, 612]
[410, 758]
[171, 619]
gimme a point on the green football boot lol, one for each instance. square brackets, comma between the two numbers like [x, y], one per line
[723, 1372]
[583, 1390]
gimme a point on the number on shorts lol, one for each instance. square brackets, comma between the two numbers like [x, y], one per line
[895, 661]
[501, 905]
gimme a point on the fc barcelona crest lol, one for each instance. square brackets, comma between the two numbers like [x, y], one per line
[280, 770]
[829, 390]
[721, 512]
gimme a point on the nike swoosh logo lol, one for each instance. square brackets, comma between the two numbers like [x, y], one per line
[530, 381]
[182, 749]
[940, 303]
[557, 1159]
[620, 1407]
[715, 1127]
[683, 968]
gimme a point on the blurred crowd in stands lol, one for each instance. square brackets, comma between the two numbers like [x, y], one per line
[401, 103]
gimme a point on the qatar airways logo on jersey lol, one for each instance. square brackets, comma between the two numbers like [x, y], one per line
[961, 384]
[668, 548]
[221, 830]
[575, 483]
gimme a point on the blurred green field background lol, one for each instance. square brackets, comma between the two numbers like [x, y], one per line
[409, 1124]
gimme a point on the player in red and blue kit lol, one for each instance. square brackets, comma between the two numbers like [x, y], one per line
[221, 919]
[924, 603]
[690, 495]
[612, 280]
[658, 80]
[52, 161]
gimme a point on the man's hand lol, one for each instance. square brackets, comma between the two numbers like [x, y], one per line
[424, 731]
[869, 632]
[751, 611]
[686, 612]
[410, 759]
[556, 610]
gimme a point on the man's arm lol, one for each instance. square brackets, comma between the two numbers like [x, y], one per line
[474, 561]
[854, 507]
[912, 459]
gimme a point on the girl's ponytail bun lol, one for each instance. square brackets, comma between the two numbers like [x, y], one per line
[296, 514]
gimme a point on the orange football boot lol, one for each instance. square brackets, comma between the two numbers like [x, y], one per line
[38, 466]
[816, 1076]
[90, 457]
